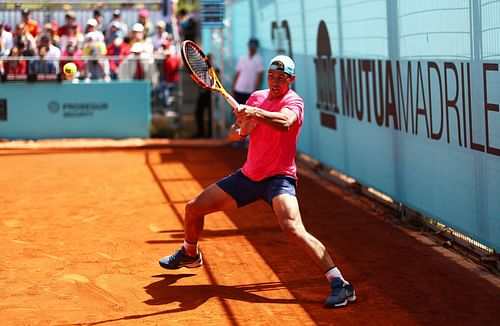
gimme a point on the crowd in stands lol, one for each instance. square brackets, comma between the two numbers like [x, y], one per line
[101, 50]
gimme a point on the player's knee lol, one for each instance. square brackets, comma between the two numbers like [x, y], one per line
[292, 230]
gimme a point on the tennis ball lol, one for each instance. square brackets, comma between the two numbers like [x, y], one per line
[69, 69]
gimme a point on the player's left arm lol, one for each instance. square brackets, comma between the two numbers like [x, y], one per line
[282, 120]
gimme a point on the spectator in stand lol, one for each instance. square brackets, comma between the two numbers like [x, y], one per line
[24, 41]
[70, 23]
[137, 65]
[168, 65]
[6, 41]
[41, 65]
[116, 52]
[138, 36]
[159, 36]
[99, 19]
[113, 33]
[31, 24]
[116, 19]
[92, 28]
[50, 29]
[187, 24]
[53, 53]
[96, 65]
[143, 19]
[15, 67]
[71, 53]
[74, 34]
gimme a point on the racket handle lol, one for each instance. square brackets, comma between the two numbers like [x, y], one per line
[232, 102]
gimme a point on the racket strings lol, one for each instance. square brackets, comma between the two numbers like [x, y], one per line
[198, 65]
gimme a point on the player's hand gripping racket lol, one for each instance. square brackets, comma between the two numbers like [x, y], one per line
[202, 71]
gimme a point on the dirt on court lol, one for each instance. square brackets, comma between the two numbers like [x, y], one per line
[84, 226]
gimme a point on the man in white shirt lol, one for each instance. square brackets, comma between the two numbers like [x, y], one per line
[6, 42]
[248, 75]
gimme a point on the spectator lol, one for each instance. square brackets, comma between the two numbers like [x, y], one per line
[113, 33]
[188, 25]
[248, 75]
[15, 67]
[96, 65]
[70, 23]
[54, 53]
[116, 19]
[31, 24]
[24, 41]
[143, 19]
[116, 52]
[71, 53]
[137, 36]
[99, 18]
[137, 65]
[92, 28]
[159, 36]
[168, 67]
[41, 65]
[6, 41]
[72, 34]
[50, 29]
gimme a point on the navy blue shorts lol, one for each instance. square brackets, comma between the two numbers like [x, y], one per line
[246, 191]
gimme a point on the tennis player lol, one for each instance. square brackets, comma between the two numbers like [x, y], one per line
[272, 118]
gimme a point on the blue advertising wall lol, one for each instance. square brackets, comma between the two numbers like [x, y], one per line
[67, 110]
[401, 95]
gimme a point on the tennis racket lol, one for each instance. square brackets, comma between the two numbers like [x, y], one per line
[202, 72]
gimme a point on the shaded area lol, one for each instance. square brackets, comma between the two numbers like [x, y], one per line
[399, 280]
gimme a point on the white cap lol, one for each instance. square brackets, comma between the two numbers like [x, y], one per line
[282, 63]
[92, 22]
[138, 27]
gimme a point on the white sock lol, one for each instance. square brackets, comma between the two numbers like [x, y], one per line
[332, 273]
[191, 248]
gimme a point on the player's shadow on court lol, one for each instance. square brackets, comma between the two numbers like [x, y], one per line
[189, 297]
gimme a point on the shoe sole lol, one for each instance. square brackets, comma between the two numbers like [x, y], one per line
[344, 303]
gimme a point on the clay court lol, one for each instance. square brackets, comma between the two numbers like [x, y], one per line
[84, 226]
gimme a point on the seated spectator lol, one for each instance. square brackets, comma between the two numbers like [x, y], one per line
[137, 36]
[97, 15]
[50, 29]
[14, 67]
[113, 33]
[24, 41]
[116, 52]
[143, 19]
[96, 65]
[116, 19]
[71, 54]
[137, 66]
[159, 36]
[92, 28]
[54, 53]
[41, 65]
[6, 41]
[70, 22]
[72, 34]
[31, 24]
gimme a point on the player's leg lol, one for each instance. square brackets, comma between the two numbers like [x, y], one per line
[287, 211]
[210, 200]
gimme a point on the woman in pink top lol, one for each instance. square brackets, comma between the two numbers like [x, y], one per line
[272, 118]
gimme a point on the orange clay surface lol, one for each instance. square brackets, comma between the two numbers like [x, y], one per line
[82, 231]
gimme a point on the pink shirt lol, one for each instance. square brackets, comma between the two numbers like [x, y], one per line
[272, 152]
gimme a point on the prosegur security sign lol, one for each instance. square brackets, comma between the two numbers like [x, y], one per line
[212, 13]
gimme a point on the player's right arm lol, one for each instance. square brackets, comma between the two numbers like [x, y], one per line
[240, 129]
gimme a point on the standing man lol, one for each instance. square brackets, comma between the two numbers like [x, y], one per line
[273, 118]
[248, 75]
